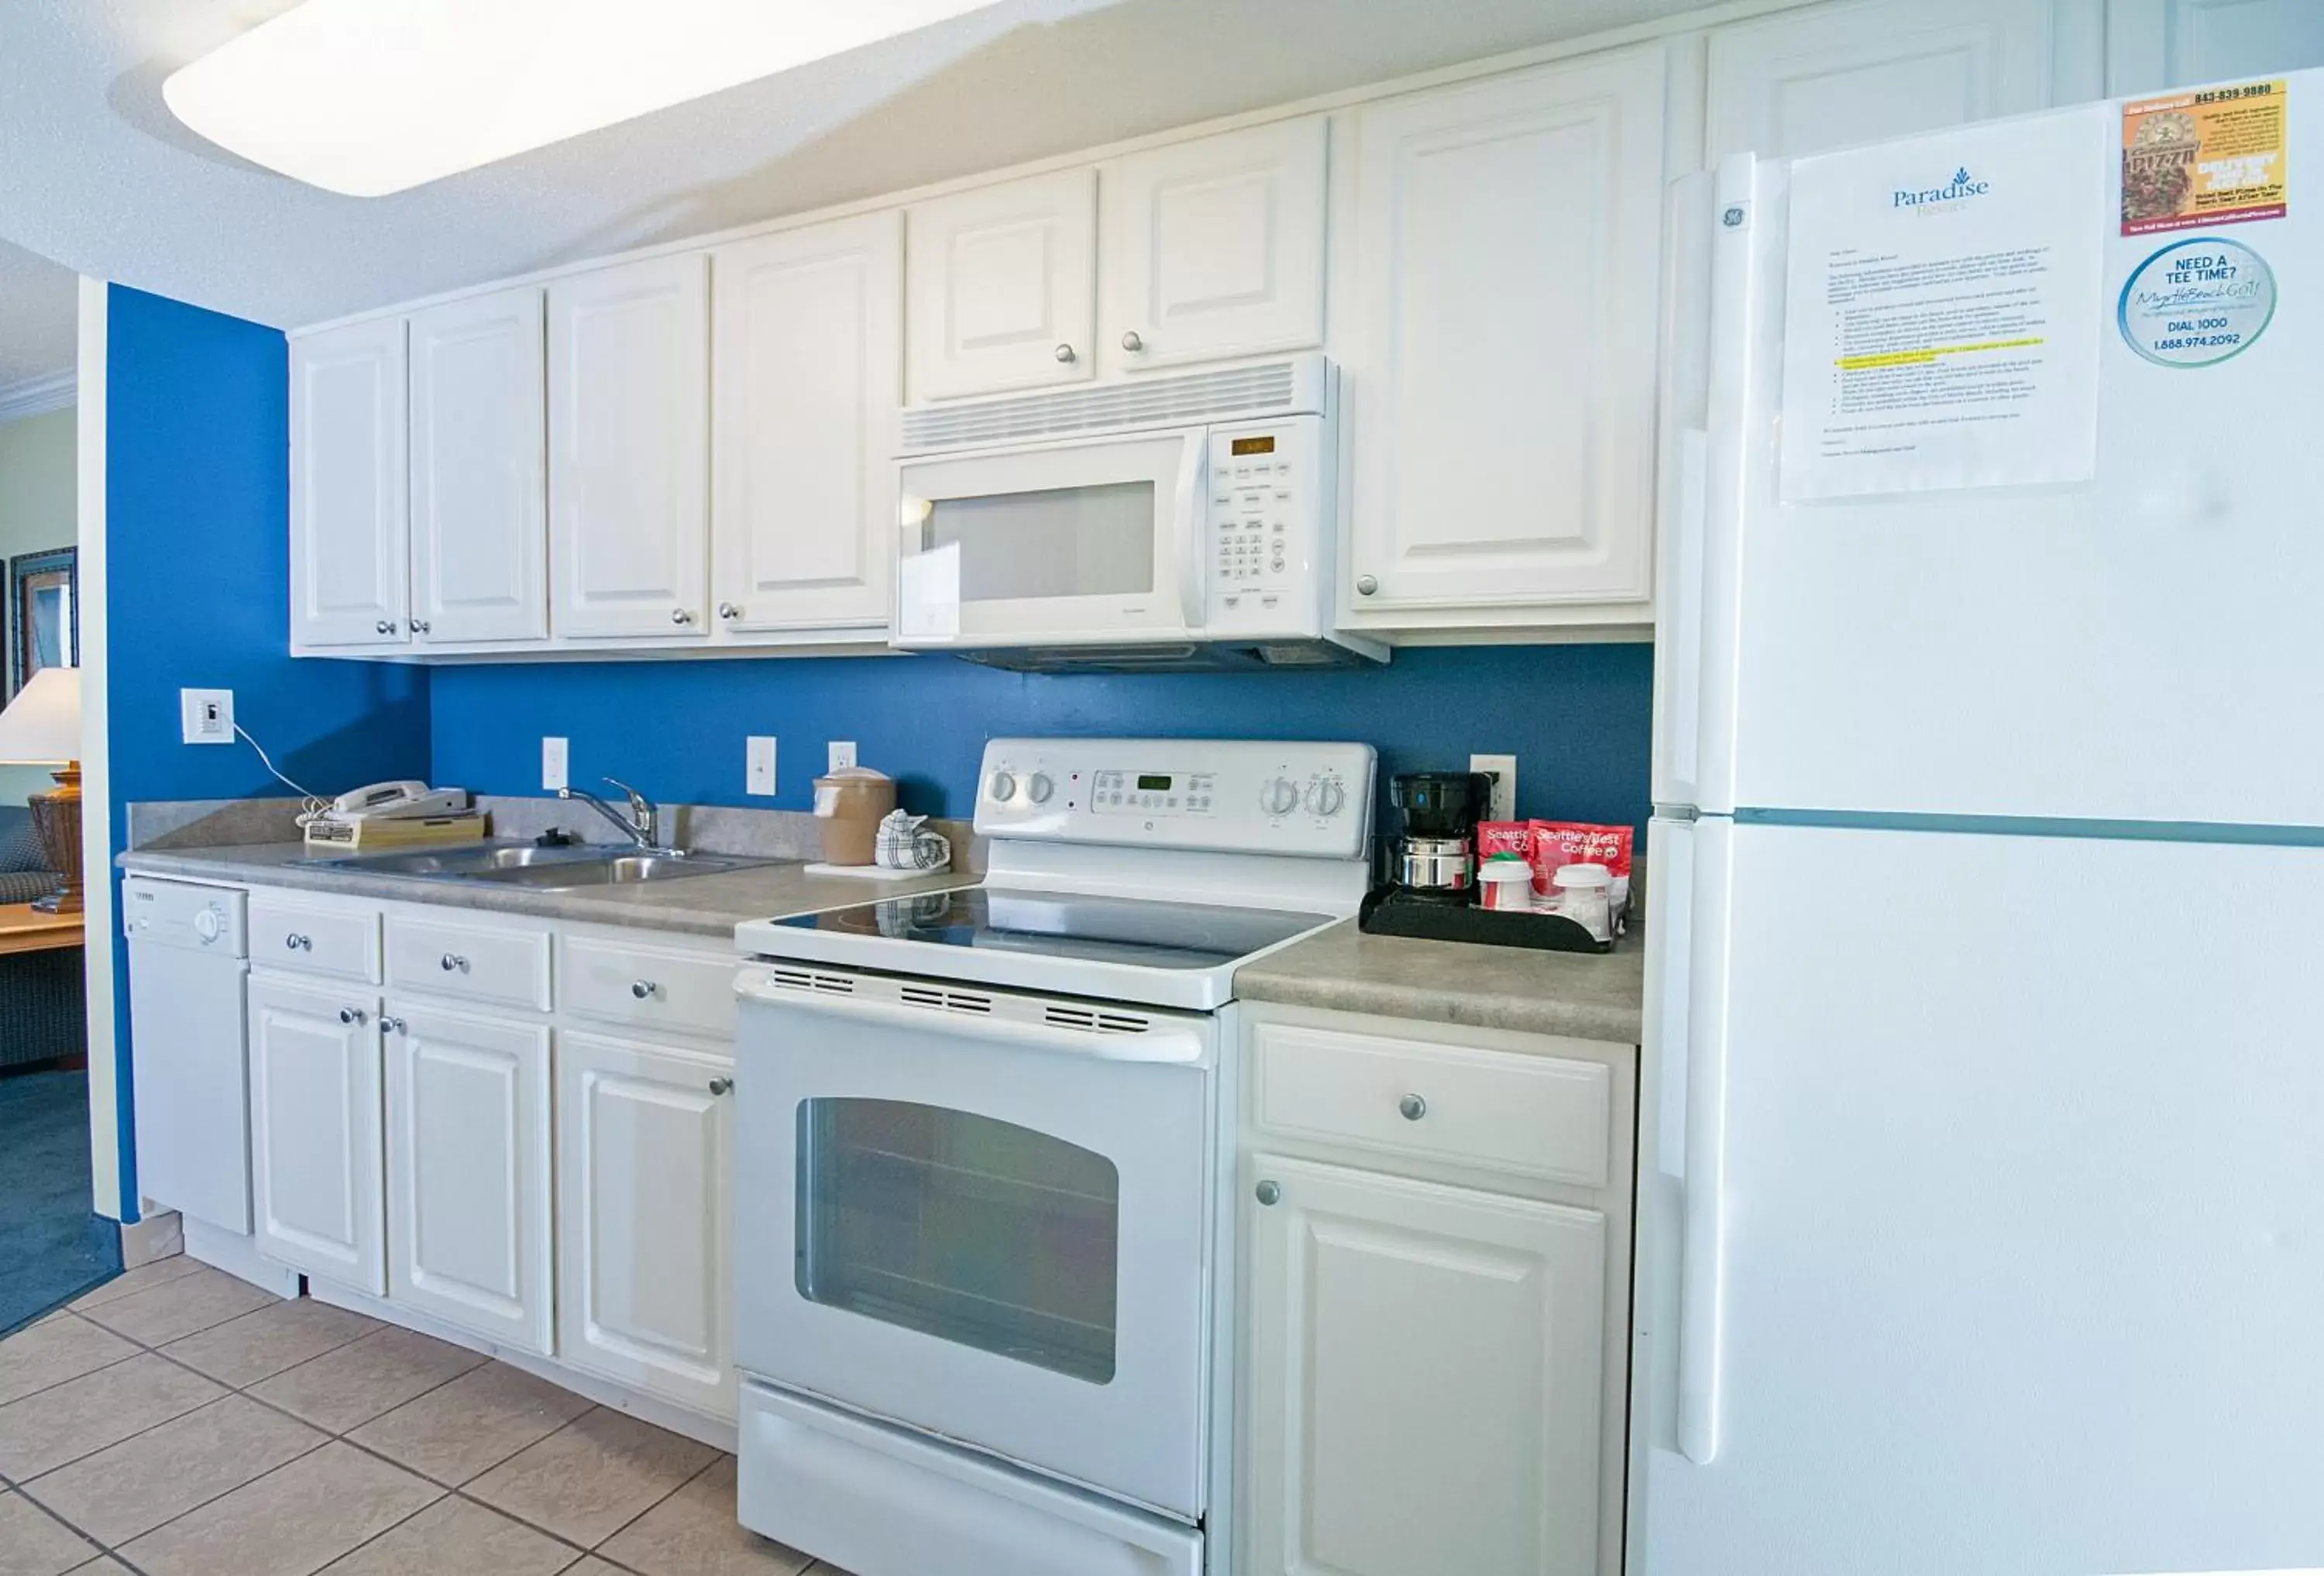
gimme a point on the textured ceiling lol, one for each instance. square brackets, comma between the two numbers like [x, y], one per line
[39, 305]
[98, 175]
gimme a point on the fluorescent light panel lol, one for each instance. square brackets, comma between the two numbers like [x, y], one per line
[372, 96]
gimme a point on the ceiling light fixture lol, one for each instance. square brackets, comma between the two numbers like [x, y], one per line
[372, 96]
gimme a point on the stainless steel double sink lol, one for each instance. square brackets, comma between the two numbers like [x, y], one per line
[525, 864]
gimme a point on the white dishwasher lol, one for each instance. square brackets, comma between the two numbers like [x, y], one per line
[188, 957]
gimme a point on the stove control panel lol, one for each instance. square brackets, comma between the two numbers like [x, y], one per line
[1229, 796]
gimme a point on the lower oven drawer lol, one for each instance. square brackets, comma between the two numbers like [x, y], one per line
[878, 1502]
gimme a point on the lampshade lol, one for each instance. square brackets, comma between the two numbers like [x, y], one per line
[42, 726]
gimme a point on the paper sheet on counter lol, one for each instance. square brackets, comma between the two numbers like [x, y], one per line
[1942, 310]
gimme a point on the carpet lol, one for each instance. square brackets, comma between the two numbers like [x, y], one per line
[53, 1246]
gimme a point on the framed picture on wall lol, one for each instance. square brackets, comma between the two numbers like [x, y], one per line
[43, 614]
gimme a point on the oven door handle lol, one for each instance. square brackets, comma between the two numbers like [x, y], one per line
[1165, 1042]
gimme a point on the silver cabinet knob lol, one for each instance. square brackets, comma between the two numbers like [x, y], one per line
[295, 942]
[351, 1015]
[1366, 585]
[452, 961]
[420, 626]
[643, 989]
[679, 615]
[728, 609]
[385, 626]
[1131, 342]
[1413, 1107]
[1268, 1193]
[721, 1086]
[393, 1025]
[1065, 353]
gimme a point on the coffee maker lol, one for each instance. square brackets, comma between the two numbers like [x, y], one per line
[1436, 859]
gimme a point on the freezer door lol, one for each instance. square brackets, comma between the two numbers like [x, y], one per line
[2019, 1229]
[2138, 648]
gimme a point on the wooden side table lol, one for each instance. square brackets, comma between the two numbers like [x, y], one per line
[24, 929]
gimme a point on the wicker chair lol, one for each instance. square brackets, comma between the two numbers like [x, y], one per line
[43, 1005]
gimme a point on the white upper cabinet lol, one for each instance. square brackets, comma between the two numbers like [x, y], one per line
[479, 473]
[2153, 44]
[1501, 368]
[629, 448]
[1828, 77]
[1000, 289]
[807, 333]
[1214, 248]
[350, 542]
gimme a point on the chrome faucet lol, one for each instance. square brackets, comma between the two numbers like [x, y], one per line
[641, 826]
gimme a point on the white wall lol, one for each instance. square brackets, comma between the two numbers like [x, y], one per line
[37, 513]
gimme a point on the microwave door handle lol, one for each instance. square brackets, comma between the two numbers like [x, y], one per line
[1191, 522]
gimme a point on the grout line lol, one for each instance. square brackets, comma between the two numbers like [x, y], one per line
[717, 1456]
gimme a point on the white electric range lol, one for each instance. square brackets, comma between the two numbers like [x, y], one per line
[983, 1157]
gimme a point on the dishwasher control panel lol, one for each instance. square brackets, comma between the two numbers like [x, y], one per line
[180, 914]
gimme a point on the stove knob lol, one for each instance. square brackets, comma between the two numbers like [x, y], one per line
[1279, 797]
[1000, 787]
[1326, 796]
[1040, 789]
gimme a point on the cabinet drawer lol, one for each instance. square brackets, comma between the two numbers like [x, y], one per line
[467, 961]
[649, 986]
[306, 939]
[1535, 1116]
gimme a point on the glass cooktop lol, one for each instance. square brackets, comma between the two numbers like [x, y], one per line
[1113, 930]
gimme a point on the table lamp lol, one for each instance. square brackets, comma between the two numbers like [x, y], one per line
[42, 727]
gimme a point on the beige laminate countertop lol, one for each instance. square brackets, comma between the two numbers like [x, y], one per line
[692, 906]
[1589, 996]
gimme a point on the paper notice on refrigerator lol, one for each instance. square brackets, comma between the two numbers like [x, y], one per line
[1942, 310]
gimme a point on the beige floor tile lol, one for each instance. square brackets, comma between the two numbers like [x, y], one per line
[694, 1532]
[588, 1480]
[45, 1431]
[63, 1346]
[454, 1537]
[180, 1307]
[262, 1343]
[593, 1566]
[294, 1521]
[32, 1542]
[474, 1424]
[138, 1279]
[342, 1389]
[105, 1566]
[135, 1485]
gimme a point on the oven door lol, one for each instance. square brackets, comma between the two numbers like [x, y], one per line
[1095, 541]
[994, 1230]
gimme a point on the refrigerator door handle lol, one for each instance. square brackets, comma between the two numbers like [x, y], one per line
[1702, 1242]
[1679, 636]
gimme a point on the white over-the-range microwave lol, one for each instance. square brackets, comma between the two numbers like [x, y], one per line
[1174, 522]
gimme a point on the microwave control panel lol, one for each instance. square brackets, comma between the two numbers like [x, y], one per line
[1268, 488]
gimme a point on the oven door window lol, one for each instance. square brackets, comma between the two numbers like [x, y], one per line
[1061, 541]
[970, 1229]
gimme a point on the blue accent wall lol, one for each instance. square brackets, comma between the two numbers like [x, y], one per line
[1577, 717]
[197, 492]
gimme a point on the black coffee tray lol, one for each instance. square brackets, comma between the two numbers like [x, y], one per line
[1389, 912]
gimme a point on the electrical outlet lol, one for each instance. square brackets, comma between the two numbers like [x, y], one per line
[843, 754]
[553, 765]
[760, 754]
[207, 715]
[1504, 800]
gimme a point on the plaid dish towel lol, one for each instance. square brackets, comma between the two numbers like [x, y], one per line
[902, 846]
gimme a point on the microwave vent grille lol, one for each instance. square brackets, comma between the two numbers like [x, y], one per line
[1190, 401]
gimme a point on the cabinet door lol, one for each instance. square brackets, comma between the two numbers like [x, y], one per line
[1807, 81]
[1424, 1377]
[479, 474]
[1504, 387]
[2154, 44]
[629, 448]
[350, 533]
[1001, 291]
[646, 1215]
[468, 1166]
[806, 328]
[315, 1130]
[1215, 247]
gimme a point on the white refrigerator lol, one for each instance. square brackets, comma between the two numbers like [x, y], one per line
[1983, 1224]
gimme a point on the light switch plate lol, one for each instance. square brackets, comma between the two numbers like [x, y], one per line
[843, 754]
[760, 754]
[1503, 769]
[207, 715]
[553, 765]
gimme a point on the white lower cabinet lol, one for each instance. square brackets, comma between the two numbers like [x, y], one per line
[1424, 1367]
[315, 1130]
[645, 1138]
[467, 1159]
